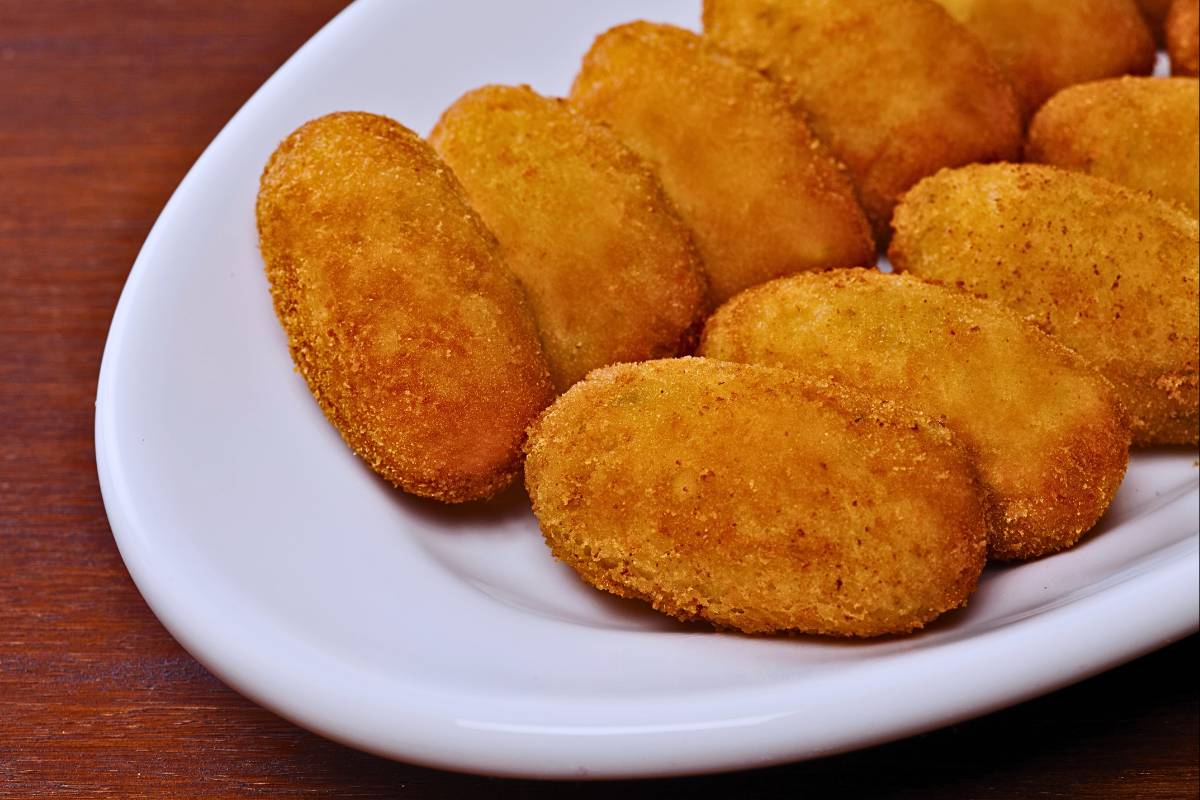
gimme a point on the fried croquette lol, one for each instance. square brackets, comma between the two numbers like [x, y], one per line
[413, 337]
[1140, 132]
[1046, 430]
[763, 196]
[1110, 272]
[611, 272]
[757, 500]
[896, 88]
[1047, 46]
[1182, 34]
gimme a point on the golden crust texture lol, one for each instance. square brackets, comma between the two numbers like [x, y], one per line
[611, 272]
[757, 500]
[1140, 132]
[1046, 46]
[896, 88]
[1182, 34]
[400, 314]
[1110, 272]
[1046, 431]
[762, 194]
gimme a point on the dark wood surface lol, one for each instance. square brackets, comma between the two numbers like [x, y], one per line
[103, 107]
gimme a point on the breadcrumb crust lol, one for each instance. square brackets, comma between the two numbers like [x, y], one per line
[765, 197]
[757, 500]
[896, 88]
[400, 314]
[1109, 272]
[1046, 46]
[611, 271]
[1047, 431]
[1143, 133]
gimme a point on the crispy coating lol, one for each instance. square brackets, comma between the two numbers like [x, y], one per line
[1182, 34]
[755, 499]
[1110, 272]
[1047, 46]
[764, 197]
[896, 88]
[1140, 132]
[400, 314]
[1046, 430]
[611, 272]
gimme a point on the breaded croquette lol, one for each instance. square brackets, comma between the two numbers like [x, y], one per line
[1046, 430]
[763, 196]
[896, 88]
[610, 270]
[1110, 272]
[1182, 34]
[413, 337]
[757, 500]
[1140, 132]
[1047, 46]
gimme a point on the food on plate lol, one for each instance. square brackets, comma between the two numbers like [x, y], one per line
[1182, 33]
[413, 337]
[755, 499]
[896, 88]
[763, 196]
[1140, 132]
[610, 270]
[1108, 271]
[1047, 46]
[1046, 430]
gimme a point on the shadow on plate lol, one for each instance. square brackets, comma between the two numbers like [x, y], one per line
[509, 506]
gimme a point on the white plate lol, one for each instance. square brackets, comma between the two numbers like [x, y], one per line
[450, 637]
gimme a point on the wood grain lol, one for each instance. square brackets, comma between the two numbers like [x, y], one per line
[103, 107]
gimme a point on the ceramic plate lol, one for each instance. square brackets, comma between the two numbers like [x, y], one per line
[449, 636]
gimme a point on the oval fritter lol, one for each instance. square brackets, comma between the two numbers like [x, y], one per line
[896, 88]
[399, 311]
[611, 272]
[1047, 46]
[1182, 34]
[757, 500]
[1110, 272]
[1046, 430]
[763, 196]
[1140, 132]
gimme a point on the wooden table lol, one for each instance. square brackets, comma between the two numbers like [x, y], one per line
[103, 107]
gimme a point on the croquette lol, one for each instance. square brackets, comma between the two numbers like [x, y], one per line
[754, 499]
[896, 88]
[1140, 132]
[611, 271]
[1110, 272]
[413, 337]
[764, 197]
[1046, 46]
[1046, 430]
